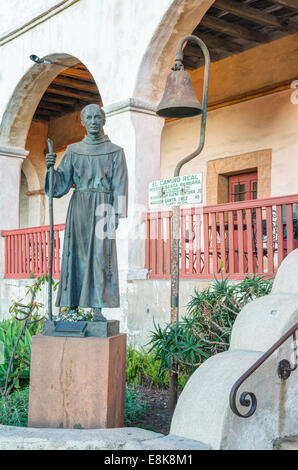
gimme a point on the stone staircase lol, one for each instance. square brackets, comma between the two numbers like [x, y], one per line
[203, 411]
[288, 443]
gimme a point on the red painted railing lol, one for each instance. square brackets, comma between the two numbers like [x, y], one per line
[27, 251]
[234, 239]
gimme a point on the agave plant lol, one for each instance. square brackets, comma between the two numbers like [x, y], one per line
[206, 329]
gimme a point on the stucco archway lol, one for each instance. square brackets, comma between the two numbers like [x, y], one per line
[21, 107]
[180, 20]
[14, 129]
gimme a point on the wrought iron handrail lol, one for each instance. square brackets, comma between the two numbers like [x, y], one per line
[284, 371]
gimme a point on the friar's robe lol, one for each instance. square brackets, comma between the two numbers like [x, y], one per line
[89, 273]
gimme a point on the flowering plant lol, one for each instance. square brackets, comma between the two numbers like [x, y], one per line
[74, 315]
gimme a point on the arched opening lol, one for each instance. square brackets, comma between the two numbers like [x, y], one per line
[46, 104]
[46, 92]
[180, 20]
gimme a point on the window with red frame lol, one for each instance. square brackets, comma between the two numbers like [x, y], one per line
[243, 187]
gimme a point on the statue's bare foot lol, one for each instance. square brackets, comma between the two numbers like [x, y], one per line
[97, 315]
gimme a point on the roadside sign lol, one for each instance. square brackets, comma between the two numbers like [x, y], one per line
[176, 191]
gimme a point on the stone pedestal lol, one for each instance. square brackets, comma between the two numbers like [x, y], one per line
[77, 382]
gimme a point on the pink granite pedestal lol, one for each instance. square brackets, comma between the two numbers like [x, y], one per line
[77, 382]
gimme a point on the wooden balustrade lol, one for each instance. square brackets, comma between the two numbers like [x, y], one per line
[27, 251]
[233, 239]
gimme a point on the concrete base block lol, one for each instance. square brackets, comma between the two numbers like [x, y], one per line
[77, 382]
[98, 329]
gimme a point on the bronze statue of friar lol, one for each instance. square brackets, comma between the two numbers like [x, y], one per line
[97, 169]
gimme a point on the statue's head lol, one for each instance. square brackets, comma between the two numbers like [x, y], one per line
[93, 118]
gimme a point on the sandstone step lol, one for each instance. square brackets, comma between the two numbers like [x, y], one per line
[18, 438]
[287, 443]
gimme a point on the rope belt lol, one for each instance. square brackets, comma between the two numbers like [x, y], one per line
[91, 190]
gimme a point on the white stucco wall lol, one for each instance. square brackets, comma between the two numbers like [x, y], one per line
[25, 12]
[269, 122]
[84, 30]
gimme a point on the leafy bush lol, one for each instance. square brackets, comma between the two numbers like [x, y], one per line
[135, 407]
[206, 330]
[142, 369]
[15, 337]
[14, 412]
[9, 332]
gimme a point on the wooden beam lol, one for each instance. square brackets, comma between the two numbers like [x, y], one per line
[39, 118]
[54, 98]
[293, 4]
[192, 64]
[215, 43]
[75, 84]
[249, 13]
[73, 93]
[233, 29]
[46, 112]
[55, 107]
[191, 51]
[81, 74]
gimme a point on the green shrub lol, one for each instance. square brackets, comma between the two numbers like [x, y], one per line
[135, 406]
[206, 330]
[14, 412]
[9, 331]
[142, 369]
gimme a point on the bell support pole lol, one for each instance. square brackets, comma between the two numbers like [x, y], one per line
[170, 107]
[175, 232]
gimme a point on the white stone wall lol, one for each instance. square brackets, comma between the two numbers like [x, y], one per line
[269, 122]
[17, 12]
[83, 31]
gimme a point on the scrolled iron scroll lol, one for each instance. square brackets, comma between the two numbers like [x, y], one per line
[284, 371]
[246, 399]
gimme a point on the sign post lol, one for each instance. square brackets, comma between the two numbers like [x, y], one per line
[175, 192]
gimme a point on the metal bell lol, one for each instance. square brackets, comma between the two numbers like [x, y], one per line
[179, 99]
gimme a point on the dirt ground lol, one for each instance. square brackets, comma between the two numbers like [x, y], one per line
[158, 416]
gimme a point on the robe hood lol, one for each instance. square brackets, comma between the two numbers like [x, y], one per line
[100, 146]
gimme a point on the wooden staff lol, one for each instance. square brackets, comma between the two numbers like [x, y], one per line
[51, 216]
